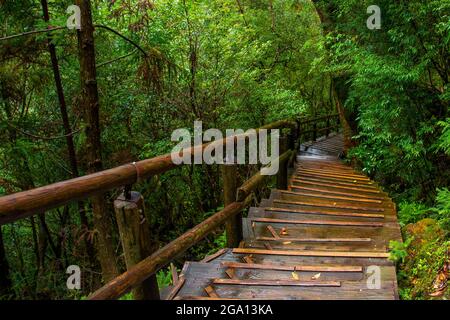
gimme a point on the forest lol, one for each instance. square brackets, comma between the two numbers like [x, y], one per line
[79, 99]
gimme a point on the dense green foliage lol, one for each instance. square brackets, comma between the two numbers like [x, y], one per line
[397, 94]
[230, 64]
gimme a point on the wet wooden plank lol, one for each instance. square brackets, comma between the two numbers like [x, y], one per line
[333, 192]
[287, 239]
[214, 255]
[177, 287]
[334, 186]
[211, 292]
[320, 222]
[330, 197]
[328, 205]
[313, 253]
[311, 268]
[330, 213]
[260, 282]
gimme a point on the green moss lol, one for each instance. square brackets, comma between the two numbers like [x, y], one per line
[426, 254]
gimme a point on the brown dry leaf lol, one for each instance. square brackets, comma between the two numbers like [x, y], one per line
[441, 282]
[287, 242]
[284, 232]
[295, 276]
[316, 276]
[437, 293]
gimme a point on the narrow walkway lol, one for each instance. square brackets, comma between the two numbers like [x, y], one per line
[323, 238]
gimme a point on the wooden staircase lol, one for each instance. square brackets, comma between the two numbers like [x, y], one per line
[326, 237]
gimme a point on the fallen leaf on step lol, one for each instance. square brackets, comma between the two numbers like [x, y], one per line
[287, 242]
[295, 275]
[284, 232]
[316, 276]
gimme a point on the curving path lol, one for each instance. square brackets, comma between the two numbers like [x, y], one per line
[326, 237]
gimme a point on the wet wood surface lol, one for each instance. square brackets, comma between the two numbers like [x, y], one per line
[320, 239]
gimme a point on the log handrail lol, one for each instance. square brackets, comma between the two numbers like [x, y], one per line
[23, 204]
[152, 264]
[27, 203]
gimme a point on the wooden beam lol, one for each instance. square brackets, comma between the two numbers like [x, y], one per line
[333, 173]
[336, 186]
[335, 240]
[305, 268]
[262, 282]
[359, 184]
[230, 273]
[330, 197]
[273, 232]
[214, 256]
[327, 205]
[177, 287]
[312, 253]
[328, 213]
[321, 222]
[336, 176]
[337, 193]
[211, 292]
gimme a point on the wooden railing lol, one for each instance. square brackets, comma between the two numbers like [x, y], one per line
[141, 263]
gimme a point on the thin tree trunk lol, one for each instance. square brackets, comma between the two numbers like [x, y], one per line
[68, 134]
[327, 21]
[5, 278]
[90, 105]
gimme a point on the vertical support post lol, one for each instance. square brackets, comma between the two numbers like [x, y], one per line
[136, 241]
[314, 131]
[327, 133]
[282, 175]
[291, 138]
[299, 133]
[233, 226]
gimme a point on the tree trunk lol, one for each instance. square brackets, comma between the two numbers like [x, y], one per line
[339, 85]
[5, 279]
[90, 106]
[68, 133]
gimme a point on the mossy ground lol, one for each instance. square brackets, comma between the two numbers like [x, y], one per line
[427, 253]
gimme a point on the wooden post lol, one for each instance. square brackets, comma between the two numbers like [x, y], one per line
[292, 146]
[233, 226]
[299, 134]
[315, 131]
[137, 245]
[282, 175]
[327, 133]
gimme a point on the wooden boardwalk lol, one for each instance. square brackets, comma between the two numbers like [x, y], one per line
[323, 238]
